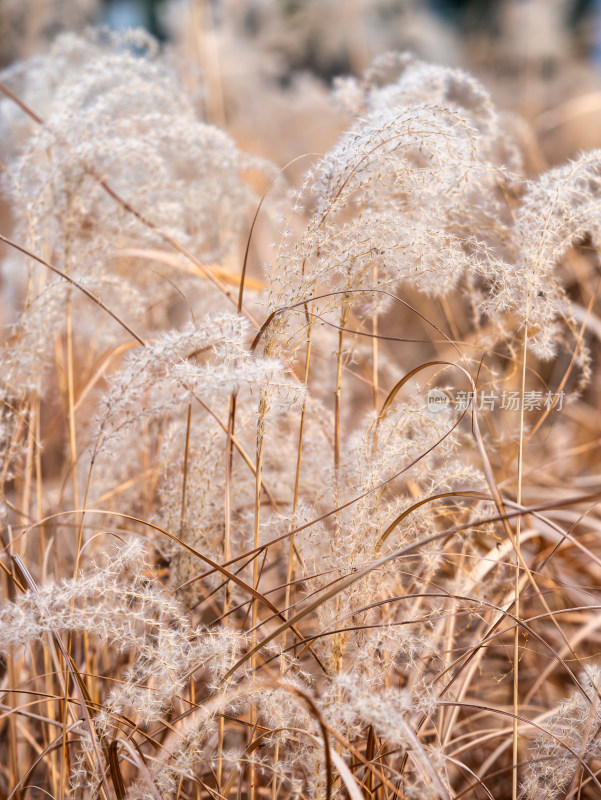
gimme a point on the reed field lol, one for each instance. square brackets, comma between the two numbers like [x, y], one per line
[300, 424]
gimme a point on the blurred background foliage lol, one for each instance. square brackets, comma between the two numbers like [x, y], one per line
[539, 58]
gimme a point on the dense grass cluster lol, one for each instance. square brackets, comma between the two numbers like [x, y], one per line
[316, 520]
